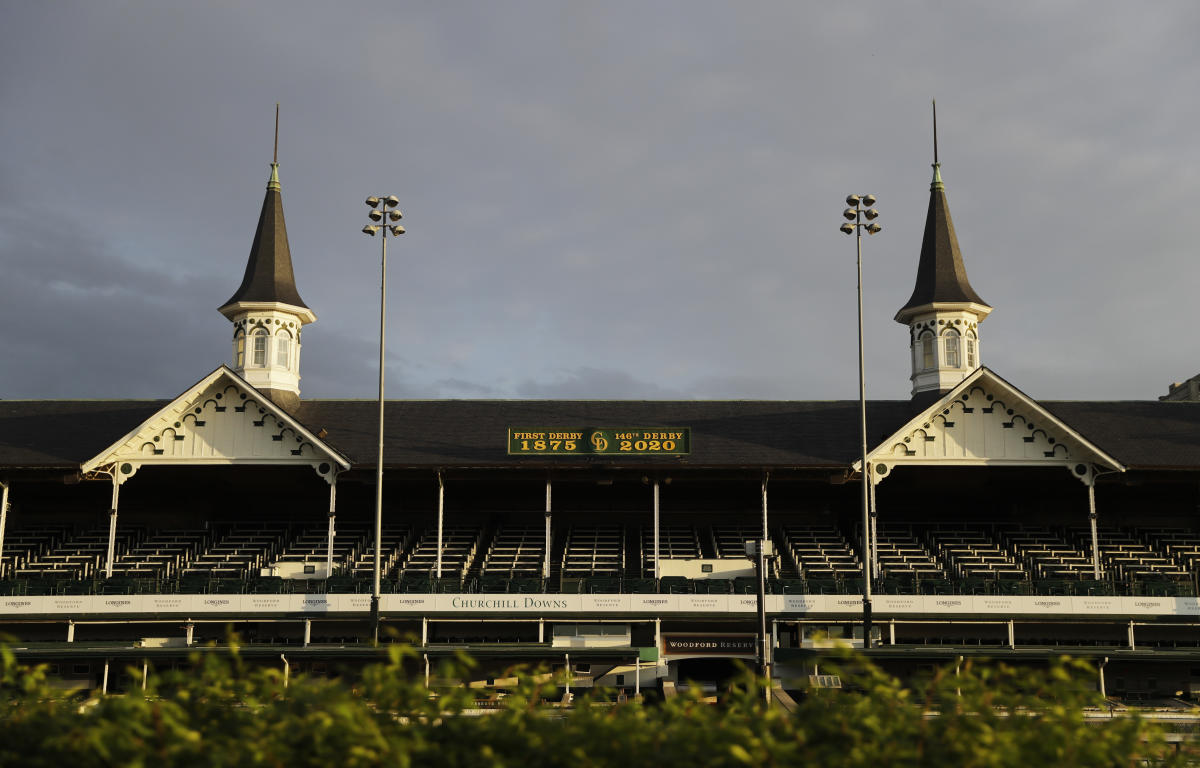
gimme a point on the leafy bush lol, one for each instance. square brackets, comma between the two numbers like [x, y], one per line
[222, 712]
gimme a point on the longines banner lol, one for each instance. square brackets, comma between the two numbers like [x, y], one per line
[607, 441]
[484, 606]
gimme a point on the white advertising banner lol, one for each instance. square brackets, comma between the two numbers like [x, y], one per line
[486, 605]
[605, 603]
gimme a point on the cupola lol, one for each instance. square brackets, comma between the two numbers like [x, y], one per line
[944, 312]
[266, 310]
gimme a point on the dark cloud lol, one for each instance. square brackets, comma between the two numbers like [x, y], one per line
[625, 200]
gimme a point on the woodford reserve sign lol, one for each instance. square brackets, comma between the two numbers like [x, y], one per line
[608, 441]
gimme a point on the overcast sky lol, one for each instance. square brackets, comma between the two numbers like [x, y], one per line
[603, 200]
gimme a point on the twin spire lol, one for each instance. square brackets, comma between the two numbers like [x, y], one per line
[266, 310]
[944, 311]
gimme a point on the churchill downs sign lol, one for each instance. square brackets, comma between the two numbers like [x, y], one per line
[608, 441]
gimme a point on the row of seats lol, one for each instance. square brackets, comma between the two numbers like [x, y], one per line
[958, 551]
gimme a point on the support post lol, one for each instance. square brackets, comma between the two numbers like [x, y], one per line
[766, 532]
[1132, 644]
[637, 675]
[426, 655]
[874, 489]
[441, 513]
[541, 630]
[1091, 487]
[189, 634]
[424, 631]
[1012, 634]
[287, 669]
[112, 525]
[1103, 691]
[104, 682]
[546, 560]
[656, 528]
[568, 679]
[307, 632]
[70, 631]
[892, 632]
[332, 520]
[145, 672]
[3, 522]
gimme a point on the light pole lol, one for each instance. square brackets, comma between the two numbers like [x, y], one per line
[382, 210]
[863, 207]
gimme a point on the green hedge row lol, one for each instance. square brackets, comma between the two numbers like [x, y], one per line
[222, 712]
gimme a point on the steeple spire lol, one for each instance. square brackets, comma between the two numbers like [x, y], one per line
[944, 311]
[266, 310]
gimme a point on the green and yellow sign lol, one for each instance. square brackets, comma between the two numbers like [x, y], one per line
[618, 441]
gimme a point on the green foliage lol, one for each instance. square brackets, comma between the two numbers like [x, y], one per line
[225, 712]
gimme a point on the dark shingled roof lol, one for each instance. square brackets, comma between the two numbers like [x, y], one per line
[269, 270]
[941, 276]
[471, 433]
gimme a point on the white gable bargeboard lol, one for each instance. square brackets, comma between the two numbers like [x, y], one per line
[987, 421]
[221, 420]
[980, 426]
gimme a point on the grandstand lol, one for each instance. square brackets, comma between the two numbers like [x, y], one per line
[606, 536]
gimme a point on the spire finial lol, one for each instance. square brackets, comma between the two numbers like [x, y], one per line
[937, 167]
[935, 156]
[274, 182]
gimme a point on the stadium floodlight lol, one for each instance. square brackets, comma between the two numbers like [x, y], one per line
[862, 207]
[377, 214]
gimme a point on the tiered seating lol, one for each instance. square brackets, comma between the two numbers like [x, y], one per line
[594, 550]
[516, 550]
[394, 540]
[675, 542]
[1048, 554]
[1141, 559]
[241, 549]
[729, 540]
[821, 552]
[77, 556]
[901, 554]
[23, 545]
[161, 554]
[459, 544]
[311, 545]
[1182, 546]
[973, 552]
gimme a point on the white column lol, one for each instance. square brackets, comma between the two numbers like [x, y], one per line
[873, 488]
[426, 655]
[441, 510]
[1132, 644]
[112, 524]
[656, 574]
[145, 672]
[637, 675]
[70, 631]
[1012, 634]
[3, 521]
[1091, 486]
[568, 658]
[189, 634]
[332, 521]
[546, 561]
[766, 478]
[307, 632]
[104, 684]
[424, 631]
